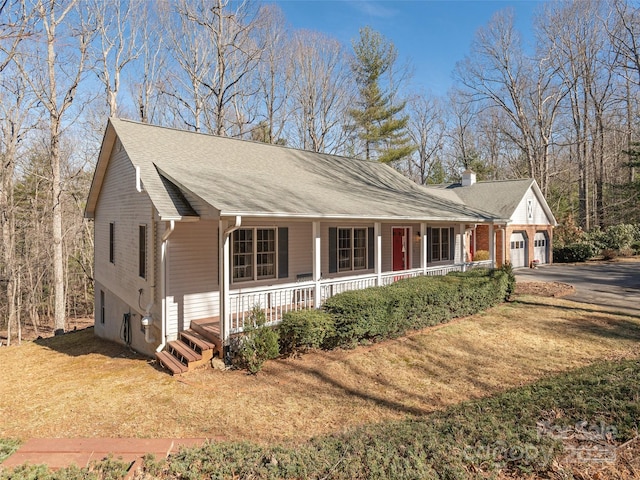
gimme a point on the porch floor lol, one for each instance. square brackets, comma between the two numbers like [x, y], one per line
[208, 327]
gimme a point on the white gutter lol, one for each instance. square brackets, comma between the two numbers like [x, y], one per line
[163, 286]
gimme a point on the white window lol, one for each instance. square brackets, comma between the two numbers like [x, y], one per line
[254, 254]
[352, 249]
[440, 249]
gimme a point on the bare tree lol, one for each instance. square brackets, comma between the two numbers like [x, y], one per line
[322, 92]
[117, 25]
[274, 74]
[427, 131]
[148, 71]
[236, 54]
[624, 34]
[191, 49]
[15, 22]
[498, 71]
[577, 37]
[54, 76]
[15, 108]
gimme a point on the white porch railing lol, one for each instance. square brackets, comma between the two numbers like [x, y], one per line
[275, 301]
[279, 299]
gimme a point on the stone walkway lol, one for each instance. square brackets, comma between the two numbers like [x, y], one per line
[58, 453]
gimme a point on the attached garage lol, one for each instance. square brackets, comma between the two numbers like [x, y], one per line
[540, 247]
[519, 250]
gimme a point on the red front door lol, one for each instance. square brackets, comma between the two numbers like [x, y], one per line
[400, 249]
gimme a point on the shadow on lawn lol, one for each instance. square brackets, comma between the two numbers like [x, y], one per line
[78, 343]
[363, 394]
[597, 322]
[382, 389]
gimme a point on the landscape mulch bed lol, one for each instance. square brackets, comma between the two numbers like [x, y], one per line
[544, 289]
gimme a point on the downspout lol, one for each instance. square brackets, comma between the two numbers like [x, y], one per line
[224, 284]
[147, 318]
[163, 285]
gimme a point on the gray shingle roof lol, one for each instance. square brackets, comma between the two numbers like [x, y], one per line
[501, 197]
[237, 177]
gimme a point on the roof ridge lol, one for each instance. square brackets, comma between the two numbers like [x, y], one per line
[255, 142]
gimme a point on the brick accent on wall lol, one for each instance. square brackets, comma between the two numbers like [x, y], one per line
[482, 240]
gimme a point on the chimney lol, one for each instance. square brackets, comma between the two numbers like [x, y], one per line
[468, 178]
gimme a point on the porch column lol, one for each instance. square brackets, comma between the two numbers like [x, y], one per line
[377, 251]
[503, 231]
[225, 266]
[492, 246]
[475, 236]
[463, 245]
[225, 256]
[423, 247]
[317, 265]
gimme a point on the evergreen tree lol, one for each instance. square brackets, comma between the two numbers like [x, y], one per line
[377, 120]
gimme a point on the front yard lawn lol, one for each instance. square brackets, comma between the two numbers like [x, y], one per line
[79, 386]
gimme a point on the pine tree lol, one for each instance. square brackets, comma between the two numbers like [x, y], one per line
[376, 120]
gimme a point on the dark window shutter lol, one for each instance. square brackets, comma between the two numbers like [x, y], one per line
[429, 245]
[283, 252]
[333, 250]
[371, 248]
[452, 244]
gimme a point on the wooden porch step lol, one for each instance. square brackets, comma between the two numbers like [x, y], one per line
[209, 328]
[183, 351]
[171, 363]
[196, 342]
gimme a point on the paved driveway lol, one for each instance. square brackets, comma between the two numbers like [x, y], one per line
[611, 284]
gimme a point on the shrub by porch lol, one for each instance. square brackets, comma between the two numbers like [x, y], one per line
[386, 312]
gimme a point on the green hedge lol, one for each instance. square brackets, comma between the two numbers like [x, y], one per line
[304, 329]
[577, 252]
[386, 312]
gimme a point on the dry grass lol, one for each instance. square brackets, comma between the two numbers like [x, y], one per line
[80, 386]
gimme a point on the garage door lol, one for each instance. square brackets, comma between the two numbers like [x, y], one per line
[540, 247]
[518, 250]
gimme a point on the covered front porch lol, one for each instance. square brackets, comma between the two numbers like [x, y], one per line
[390, 252]
[280, 299]
[282, 265]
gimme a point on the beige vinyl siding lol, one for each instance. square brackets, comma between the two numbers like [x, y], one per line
[415, 245]
[121, 204]
[192, 271]
[387, 247]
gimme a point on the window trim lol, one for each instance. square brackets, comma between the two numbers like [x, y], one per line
[447, 231]
[142, 251]
[254, 256]
[112, 242]
[352, 249]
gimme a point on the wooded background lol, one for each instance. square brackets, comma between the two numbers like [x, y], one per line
[564, 111]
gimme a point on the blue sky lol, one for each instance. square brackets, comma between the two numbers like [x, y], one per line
[432, 34]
